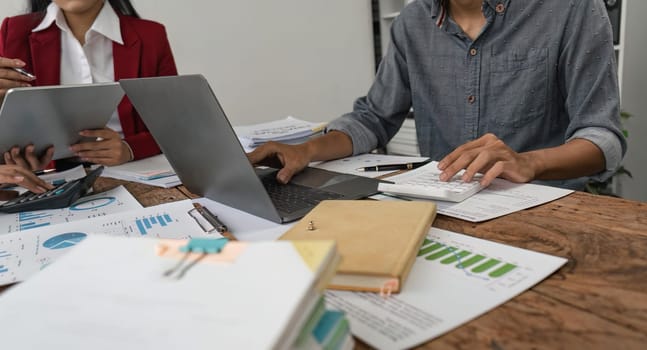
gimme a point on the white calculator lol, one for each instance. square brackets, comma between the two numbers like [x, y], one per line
[425, 183]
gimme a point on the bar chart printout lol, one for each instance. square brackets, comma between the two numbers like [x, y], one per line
[145, 224]
[91, 207]
[439, 294]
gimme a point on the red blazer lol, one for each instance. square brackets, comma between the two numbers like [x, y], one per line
[146, 53]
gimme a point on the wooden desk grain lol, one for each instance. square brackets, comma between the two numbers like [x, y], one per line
[598, 300]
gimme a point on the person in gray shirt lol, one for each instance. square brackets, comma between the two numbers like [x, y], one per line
[524, 90]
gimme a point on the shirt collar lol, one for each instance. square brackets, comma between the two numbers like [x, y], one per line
[106, 23]
[438, 12]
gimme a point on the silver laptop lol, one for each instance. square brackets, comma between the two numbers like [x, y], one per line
[185, 118]
[53, 115]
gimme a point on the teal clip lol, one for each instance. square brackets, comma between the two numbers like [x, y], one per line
[204, 245]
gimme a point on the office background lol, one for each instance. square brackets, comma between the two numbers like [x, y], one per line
[311, 59]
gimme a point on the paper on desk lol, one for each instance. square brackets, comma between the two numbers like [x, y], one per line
[24, 253]
[66, 175]
[455, 279]
[500, 198]
[96, 299]
[245, 226]
[54, 178]
[88, 207]
[285, 130]
[154, 171]
[349, 165]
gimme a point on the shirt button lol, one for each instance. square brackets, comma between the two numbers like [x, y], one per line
[473, 52]
[471, 99]
[499, 8]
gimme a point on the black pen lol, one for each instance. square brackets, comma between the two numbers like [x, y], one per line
[389, 167]
[214, 221]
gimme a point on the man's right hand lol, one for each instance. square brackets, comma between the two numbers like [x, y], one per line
[290, 159]
[9, 78]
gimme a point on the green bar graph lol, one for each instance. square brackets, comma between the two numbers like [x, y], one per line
[455, 257]
[469, 262]
[430, 249]
[502, 270]
[485, 266]
[464, 259]
[441, 253]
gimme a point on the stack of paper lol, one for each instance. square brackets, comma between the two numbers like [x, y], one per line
[113, 293]
[288, 130]
[330, 330]
[154, 171]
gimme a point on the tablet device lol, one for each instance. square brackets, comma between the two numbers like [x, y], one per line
[53, 115]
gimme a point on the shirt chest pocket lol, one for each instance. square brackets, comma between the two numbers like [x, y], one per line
[517, 88]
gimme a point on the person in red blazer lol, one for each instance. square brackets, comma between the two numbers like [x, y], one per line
[26, 43]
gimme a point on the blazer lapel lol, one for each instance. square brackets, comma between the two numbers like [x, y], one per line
[127, 60]
[127, 57]
[46, 55]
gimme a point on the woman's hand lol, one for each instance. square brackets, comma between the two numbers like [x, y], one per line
[17, 175]
[109, 149]
[28, 160]
[9, 78]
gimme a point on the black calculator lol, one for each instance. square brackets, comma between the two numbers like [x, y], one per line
[61, 196]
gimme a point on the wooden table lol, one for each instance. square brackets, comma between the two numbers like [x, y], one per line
[598, 300]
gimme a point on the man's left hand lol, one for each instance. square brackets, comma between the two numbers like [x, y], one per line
[490, 156]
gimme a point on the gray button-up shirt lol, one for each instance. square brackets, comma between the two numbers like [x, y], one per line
[539, 74]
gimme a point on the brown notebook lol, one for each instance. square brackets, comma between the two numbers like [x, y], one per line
[378, 240]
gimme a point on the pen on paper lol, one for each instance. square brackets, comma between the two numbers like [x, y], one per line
[389, 167]
[24, 72]
[214, 221]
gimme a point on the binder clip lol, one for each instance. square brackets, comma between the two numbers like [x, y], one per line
[209, 222]
[201, 246]
[388, 287]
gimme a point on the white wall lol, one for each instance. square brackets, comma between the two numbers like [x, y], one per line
[268, 59]
[634, 100]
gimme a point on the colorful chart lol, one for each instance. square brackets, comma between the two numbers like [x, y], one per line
[464, 259]
[64, 240]
[93, 203]
[143, 225]
[33, 219]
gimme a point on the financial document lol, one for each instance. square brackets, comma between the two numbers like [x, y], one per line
[501, 198]
[454, 279]
[88, 207]
[154, 171]
[287, 130]
[350, 165]
[24, 253]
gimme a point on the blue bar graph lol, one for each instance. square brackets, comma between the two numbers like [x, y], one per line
[140, 226]
[26, 216]
[31, 224]
[3, 269]
[4, 254]
[145, 224]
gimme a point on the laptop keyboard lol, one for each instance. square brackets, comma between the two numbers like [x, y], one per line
[292, 197]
